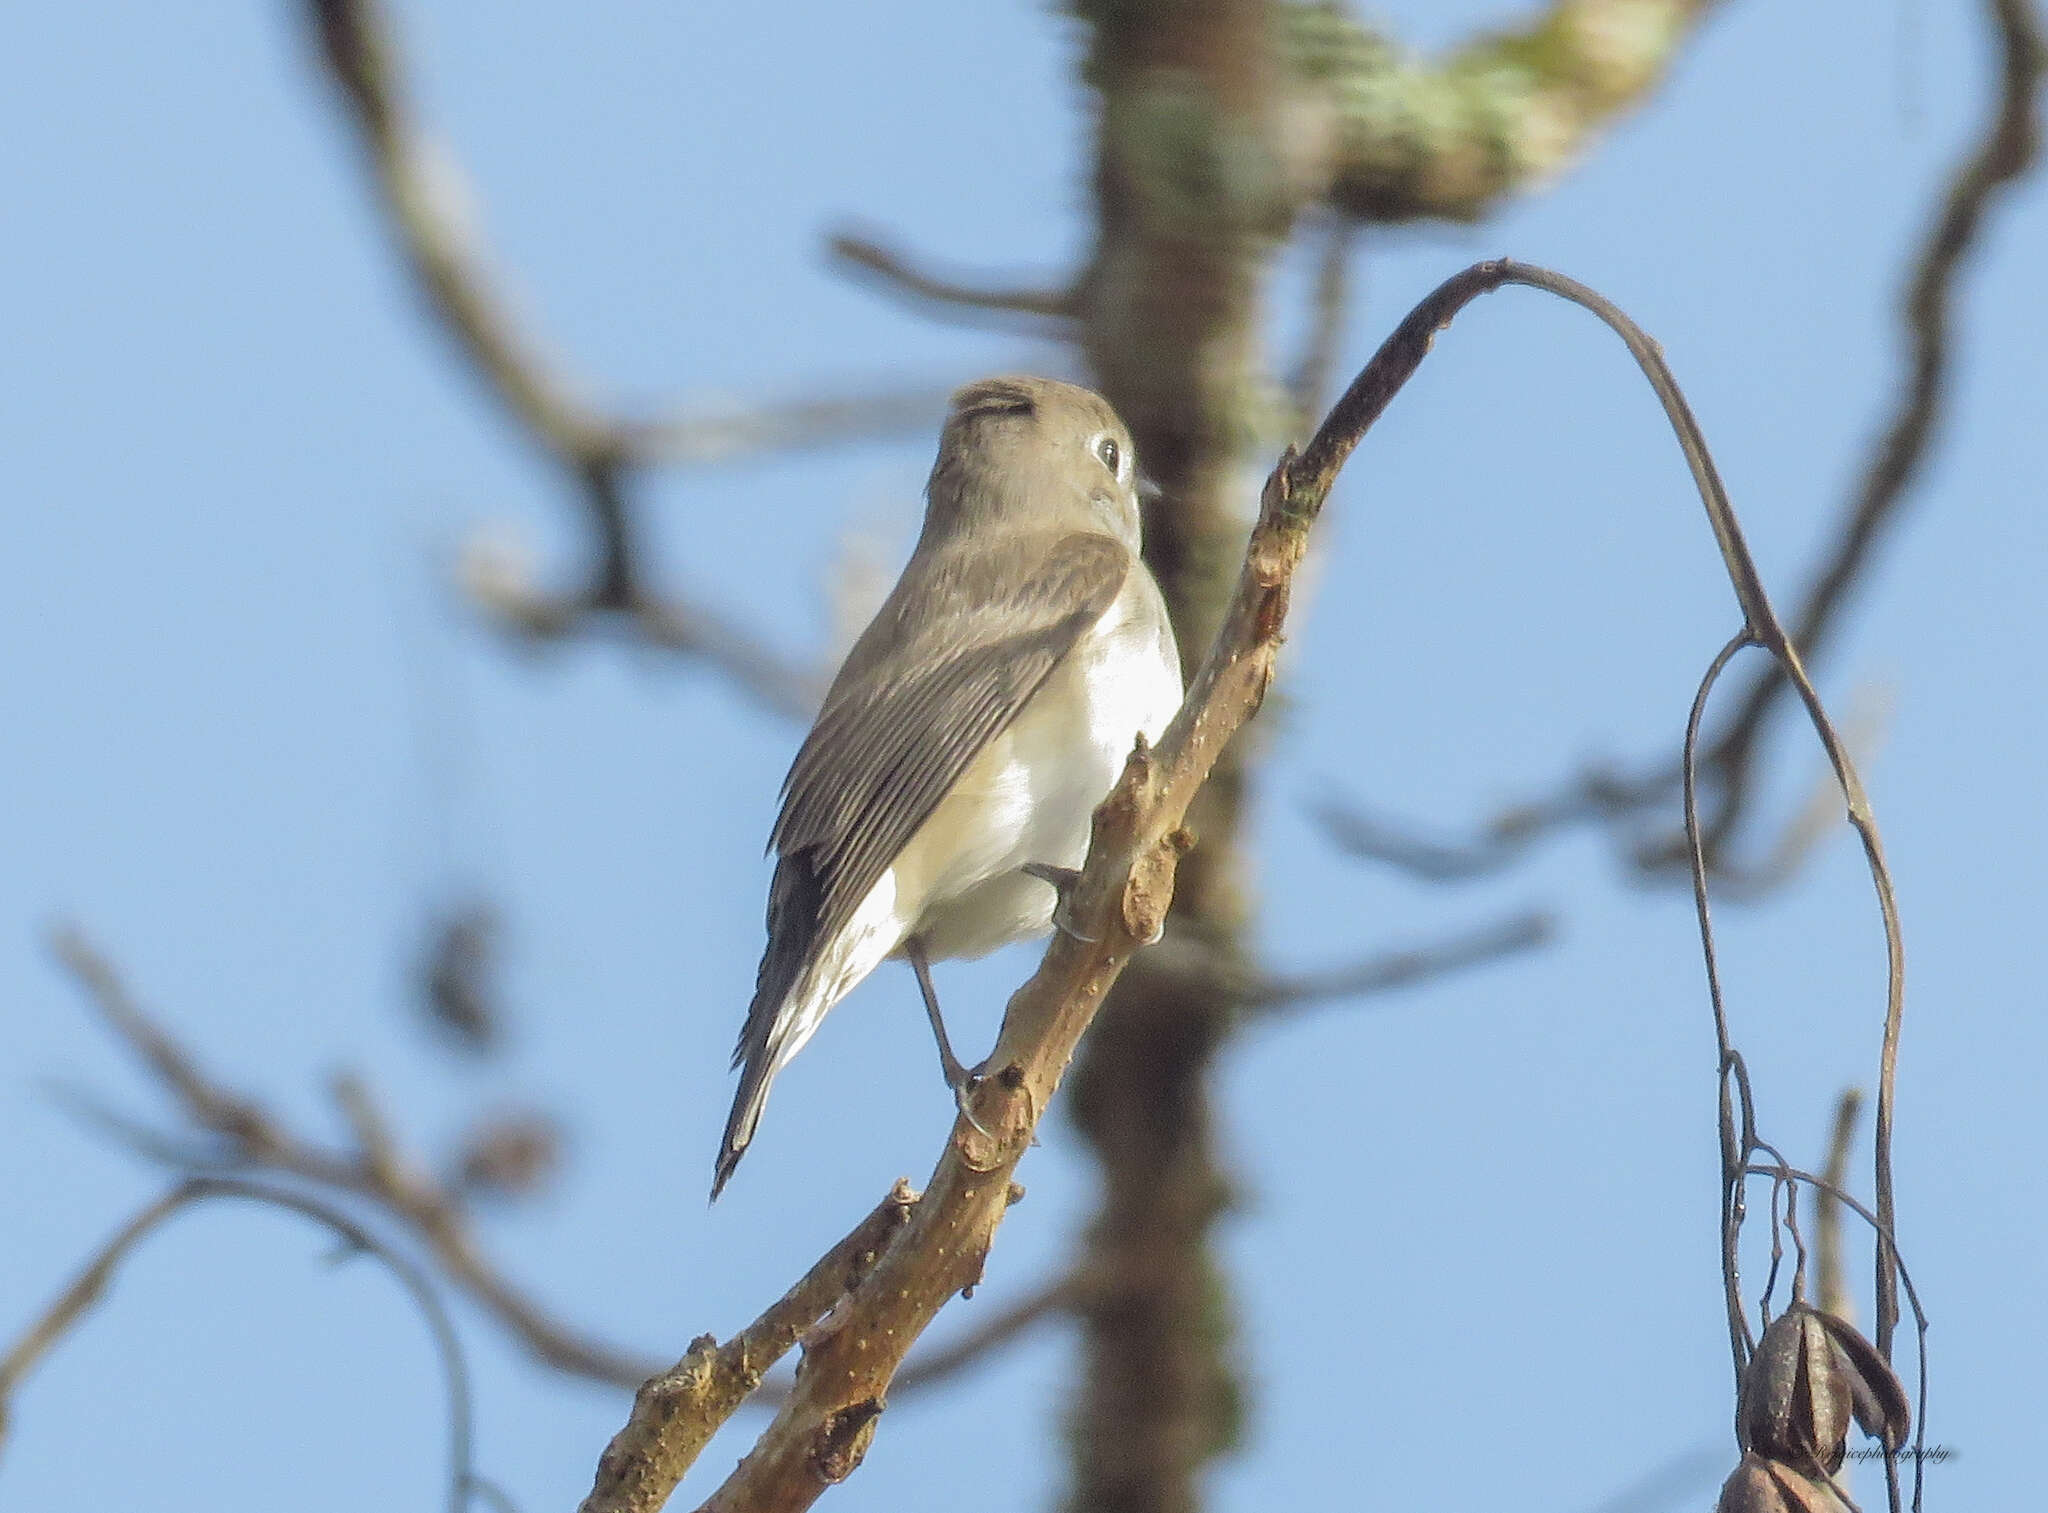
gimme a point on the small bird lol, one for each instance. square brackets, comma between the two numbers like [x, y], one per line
[940, 804]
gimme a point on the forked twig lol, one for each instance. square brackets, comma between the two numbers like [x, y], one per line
[402, 1189]
[240, 1135]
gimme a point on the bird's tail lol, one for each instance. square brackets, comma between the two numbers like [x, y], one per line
[780, 988]
[756, 1073]
[740, 1124]
[801, 978]
[766, 1044]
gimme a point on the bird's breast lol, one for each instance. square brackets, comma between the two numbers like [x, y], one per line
[1030, 794]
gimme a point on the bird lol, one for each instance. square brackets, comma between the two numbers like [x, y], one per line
[940, 804]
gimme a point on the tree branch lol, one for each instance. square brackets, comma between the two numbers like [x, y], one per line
[1386, 971]
[235, 1133]
[676, 1413]
[423, 198]
[1503, 113]
[375, 1171]
[424, 202]
[940, 296]
[2005, 152]
[2008, 148]
[84, 1293]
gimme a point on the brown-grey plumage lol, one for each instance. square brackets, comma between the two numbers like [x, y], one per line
[1025, 581]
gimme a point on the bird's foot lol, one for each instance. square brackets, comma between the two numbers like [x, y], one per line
[963, 1081]
[1062, 880]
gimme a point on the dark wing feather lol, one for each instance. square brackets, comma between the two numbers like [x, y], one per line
[962, 643]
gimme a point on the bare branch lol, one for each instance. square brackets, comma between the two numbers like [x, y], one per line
[1504, 113]
[940, 296]
[676, 1413]
[77, 1300]
[1596, 795]
[1386, 971]
[424, 197]
[989, 1335]
[375, 1171]
[779, 428]
[424, 203]
[2008, 149]
[1830, 1290]
[780, 684]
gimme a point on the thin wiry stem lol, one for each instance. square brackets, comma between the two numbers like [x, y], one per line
[2002, 156]
[2005, 152]
[1363, 403]
[1734, 1151]
[79, 1298]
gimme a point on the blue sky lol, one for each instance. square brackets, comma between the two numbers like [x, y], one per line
[254, 739]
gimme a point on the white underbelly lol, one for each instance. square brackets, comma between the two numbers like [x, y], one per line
[1030, 795]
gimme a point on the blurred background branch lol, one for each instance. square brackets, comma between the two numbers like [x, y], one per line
[1220, 132]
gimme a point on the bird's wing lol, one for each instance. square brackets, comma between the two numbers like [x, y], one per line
[898, 730]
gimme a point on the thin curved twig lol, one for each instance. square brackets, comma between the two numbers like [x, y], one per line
[78, 1299]
[2003, 155]
[1285, 993]
[939, 295]
[2005, 152]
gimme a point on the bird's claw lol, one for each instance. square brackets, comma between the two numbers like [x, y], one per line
[1062, 880]
[963, 1099]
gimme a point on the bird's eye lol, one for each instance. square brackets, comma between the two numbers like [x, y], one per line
[1108, 451]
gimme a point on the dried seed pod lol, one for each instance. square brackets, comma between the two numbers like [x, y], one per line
[1758, 1485]
[1796, 1401]
[1877, 1394]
